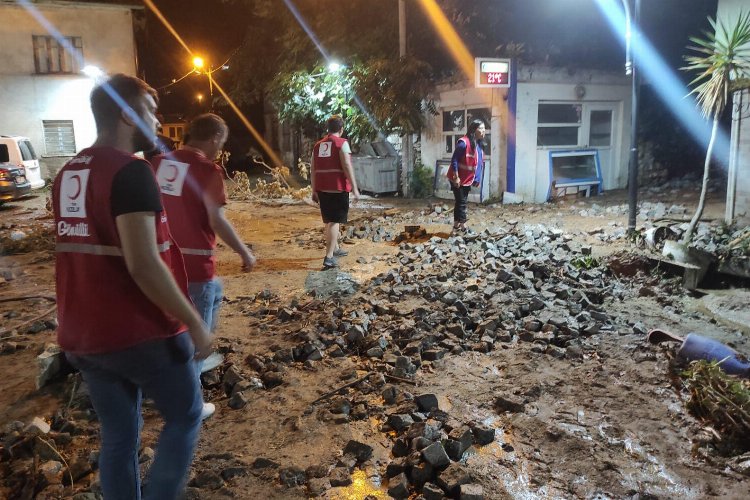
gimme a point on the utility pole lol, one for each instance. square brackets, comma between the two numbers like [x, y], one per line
[632, 32]
[407, 150]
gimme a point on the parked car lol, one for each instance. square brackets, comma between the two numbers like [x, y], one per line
[13, 182]
[19, 151]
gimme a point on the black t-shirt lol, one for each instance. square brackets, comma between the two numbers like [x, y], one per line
[134, 189]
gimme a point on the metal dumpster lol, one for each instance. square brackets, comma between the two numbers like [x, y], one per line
[376, 167]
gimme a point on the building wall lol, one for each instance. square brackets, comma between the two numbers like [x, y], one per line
[462, 94]
[738, 192]
[26, 99]
[537, 84]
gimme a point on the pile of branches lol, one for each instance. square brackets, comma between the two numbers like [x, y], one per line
[721, 400]
[277, 187]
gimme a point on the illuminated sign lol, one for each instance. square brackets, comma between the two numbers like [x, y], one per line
[492, 72]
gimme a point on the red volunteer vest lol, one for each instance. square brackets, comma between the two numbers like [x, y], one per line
[328, 171]
[468, 167]
[99, 307]
[188, 180]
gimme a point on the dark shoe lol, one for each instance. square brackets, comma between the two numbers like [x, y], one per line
[340, 253]
[329, 262]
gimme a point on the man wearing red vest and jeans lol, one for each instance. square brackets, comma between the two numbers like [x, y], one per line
[332, 181]
[124, 317]
[192, 188]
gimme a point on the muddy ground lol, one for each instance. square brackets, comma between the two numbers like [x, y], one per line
[606, 424]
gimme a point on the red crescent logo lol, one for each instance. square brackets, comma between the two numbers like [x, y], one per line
[176, 172]
[77, 178]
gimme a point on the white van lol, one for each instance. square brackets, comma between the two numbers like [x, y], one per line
[19, 151]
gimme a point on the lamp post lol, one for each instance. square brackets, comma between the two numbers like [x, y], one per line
[407, 146]
[198, 64]
[630, 68]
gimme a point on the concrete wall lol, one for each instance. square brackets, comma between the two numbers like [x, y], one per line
[738, 192]
[27, 98]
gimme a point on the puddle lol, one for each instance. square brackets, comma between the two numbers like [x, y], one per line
[361, 487]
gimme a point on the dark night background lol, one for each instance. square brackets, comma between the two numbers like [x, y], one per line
[556, 32]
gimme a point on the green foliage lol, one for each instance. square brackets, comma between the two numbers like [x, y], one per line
[722, 400]
[721, 57]
[381, 97]
[422, 181]
[586, 262]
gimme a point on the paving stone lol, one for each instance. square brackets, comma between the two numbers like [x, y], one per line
[399, 422]
[435, 455]
[360, 451]
[427, 402]
[510, 403]
[451, 479]
[340, 477]
[431, 491]
[238, 401]
[207, 480]
[398, 486]
[483, 434]
[292, 476]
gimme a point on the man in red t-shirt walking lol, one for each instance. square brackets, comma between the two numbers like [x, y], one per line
[332, 180]
[192, 188]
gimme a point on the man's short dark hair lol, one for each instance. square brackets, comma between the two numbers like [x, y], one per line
[105, 106]
[334, 124]
[205, 127]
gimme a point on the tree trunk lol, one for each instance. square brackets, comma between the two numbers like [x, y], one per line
[702, 201]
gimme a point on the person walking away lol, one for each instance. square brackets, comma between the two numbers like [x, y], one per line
[465, 171]
[124, 317]
[332, 179]
[194, 195]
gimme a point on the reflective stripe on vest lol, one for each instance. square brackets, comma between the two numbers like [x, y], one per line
[90, 249]
[196, 251]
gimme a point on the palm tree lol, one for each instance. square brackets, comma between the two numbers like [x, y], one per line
[723, 56]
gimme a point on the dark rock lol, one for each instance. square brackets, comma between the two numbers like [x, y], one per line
[340, 405]
[432, 491]
[207, 480]
[375, 352]
[510, 403]
[433, 354]
[399, 422]
[398, 486]
[420, 443]
[231, 377]
[400, 448]
[426, 402]
[238, 401]
[292, 476]
[272, 379]
[147, 455]
[318, 486]
[483, 434]
[340, 476]
[390, 393]
[459, 440]
[360, 451]
[264, 463]
[232, 472]
[435, 455]
[452, 478]
[421, 473]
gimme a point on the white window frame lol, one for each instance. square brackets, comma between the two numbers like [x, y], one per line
[457, 135]
[577, 125]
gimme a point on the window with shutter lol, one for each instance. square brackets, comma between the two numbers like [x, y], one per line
[59, 138]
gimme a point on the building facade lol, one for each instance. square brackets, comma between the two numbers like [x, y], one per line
[44, 94]
[544, 113]
[738, 179]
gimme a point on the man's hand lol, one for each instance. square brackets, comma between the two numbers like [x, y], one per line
[315, 197]
[201, 339]
[248, 262]
[355, 194]
[475, 184]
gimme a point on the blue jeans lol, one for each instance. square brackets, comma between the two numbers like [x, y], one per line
[162, 371]
[206, 296]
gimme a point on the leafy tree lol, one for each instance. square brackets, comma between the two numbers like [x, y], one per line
[722, 56]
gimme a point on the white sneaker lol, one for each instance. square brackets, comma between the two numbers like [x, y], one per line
[208, 410]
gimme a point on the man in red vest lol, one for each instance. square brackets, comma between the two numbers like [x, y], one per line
[192, 188]
[332, 181]
[124, 317]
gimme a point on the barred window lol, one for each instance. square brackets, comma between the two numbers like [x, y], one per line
[50, 56]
